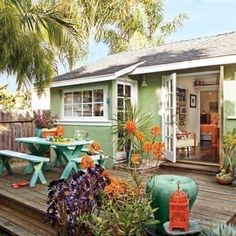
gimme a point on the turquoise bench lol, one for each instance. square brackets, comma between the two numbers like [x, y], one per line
[36, 163]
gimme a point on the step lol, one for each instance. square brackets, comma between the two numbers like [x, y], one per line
[17, 224]
[19, 217]
[195, 167]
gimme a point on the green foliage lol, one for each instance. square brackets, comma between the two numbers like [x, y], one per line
[30, 32]
[142, 121]
[137, 24]
[126, 215]
[18, 100]
[229, 147]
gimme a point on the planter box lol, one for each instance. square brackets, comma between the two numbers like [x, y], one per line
[49, 133]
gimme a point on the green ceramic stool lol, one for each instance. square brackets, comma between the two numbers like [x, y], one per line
[161, 187]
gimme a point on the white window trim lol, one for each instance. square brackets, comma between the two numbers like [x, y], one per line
[134, 88]
[76, 120]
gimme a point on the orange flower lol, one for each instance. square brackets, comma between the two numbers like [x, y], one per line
[135, 159]
[155, 131]
[147, 147]
[158, 149]
[131, 126]
[140, 136]
[116, 188]
[106, 174]
[87, 162]
[95, 147]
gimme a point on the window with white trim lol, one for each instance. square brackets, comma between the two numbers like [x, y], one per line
[85, 104]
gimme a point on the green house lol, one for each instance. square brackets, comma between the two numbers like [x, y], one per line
[188, 86]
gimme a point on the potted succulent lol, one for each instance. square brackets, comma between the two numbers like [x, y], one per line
[223, 177]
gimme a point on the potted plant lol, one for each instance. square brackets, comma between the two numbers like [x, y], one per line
[44, 121]
[229, 146]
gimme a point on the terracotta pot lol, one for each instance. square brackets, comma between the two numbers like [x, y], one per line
[223, 181]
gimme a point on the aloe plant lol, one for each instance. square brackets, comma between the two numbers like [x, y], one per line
[220, 229]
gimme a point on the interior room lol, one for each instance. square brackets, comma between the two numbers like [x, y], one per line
[197, 118]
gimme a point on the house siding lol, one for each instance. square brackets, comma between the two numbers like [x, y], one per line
[101, 134]
[149, 97]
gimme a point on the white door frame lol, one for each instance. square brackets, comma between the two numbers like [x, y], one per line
[169, 115]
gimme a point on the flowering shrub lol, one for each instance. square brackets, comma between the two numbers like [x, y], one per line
[126, 208]
[96, 203]
[147, 147]
[44, 119]
[138, 136]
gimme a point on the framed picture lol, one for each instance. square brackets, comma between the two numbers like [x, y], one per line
[182, 110]
[193, 100]
[213, 106]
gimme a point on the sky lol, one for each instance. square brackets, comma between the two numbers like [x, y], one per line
[205, 18]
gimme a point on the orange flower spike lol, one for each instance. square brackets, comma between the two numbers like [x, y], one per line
[135, 159]
[95, 147]
[116, 188]
[147, 147]
[106, 174]
[155, 131]
[131, 126]
[86, 162]
[140, 136]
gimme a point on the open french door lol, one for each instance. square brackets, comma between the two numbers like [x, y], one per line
[169, 115]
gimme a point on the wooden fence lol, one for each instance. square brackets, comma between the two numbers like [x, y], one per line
[13, 124]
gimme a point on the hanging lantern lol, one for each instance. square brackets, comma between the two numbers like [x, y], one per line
[179, 210]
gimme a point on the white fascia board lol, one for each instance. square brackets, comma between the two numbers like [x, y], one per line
[128, 69]
[92, 79]
[83, 80]
[186, 65]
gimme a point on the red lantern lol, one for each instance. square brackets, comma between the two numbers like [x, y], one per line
[179, 210]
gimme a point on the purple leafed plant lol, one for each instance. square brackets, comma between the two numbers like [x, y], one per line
[44, 119]
[72, 202]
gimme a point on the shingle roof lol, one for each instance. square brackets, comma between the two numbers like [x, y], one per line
[200, 48]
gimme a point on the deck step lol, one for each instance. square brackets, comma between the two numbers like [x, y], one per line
[18, 224]
[194, 167]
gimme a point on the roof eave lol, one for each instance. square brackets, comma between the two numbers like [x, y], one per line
[223, 60]
[92, 79]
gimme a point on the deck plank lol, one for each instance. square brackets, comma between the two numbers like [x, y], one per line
[214, 202]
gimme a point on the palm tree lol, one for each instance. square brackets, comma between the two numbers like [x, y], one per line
[137, 24]
[30, 32]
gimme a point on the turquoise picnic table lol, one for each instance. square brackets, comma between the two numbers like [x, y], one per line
[67, 150]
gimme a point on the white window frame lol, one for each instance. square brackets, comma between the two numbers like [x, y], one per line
[89, 118]
[134, 89]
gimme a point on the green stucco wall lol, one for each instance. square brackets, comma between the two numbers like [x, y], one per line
[149, 97]
[229, 124]
[101, 134]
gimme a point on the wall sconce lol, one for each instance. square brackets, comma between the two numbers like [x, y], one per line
[108, 100]
[144, 83]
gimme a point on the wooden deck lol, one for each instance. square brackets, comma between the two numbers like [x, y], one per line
[22, 210]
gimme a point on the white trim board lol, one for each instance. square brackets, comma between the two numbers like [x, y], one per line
[85, 123]
[186, 65]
